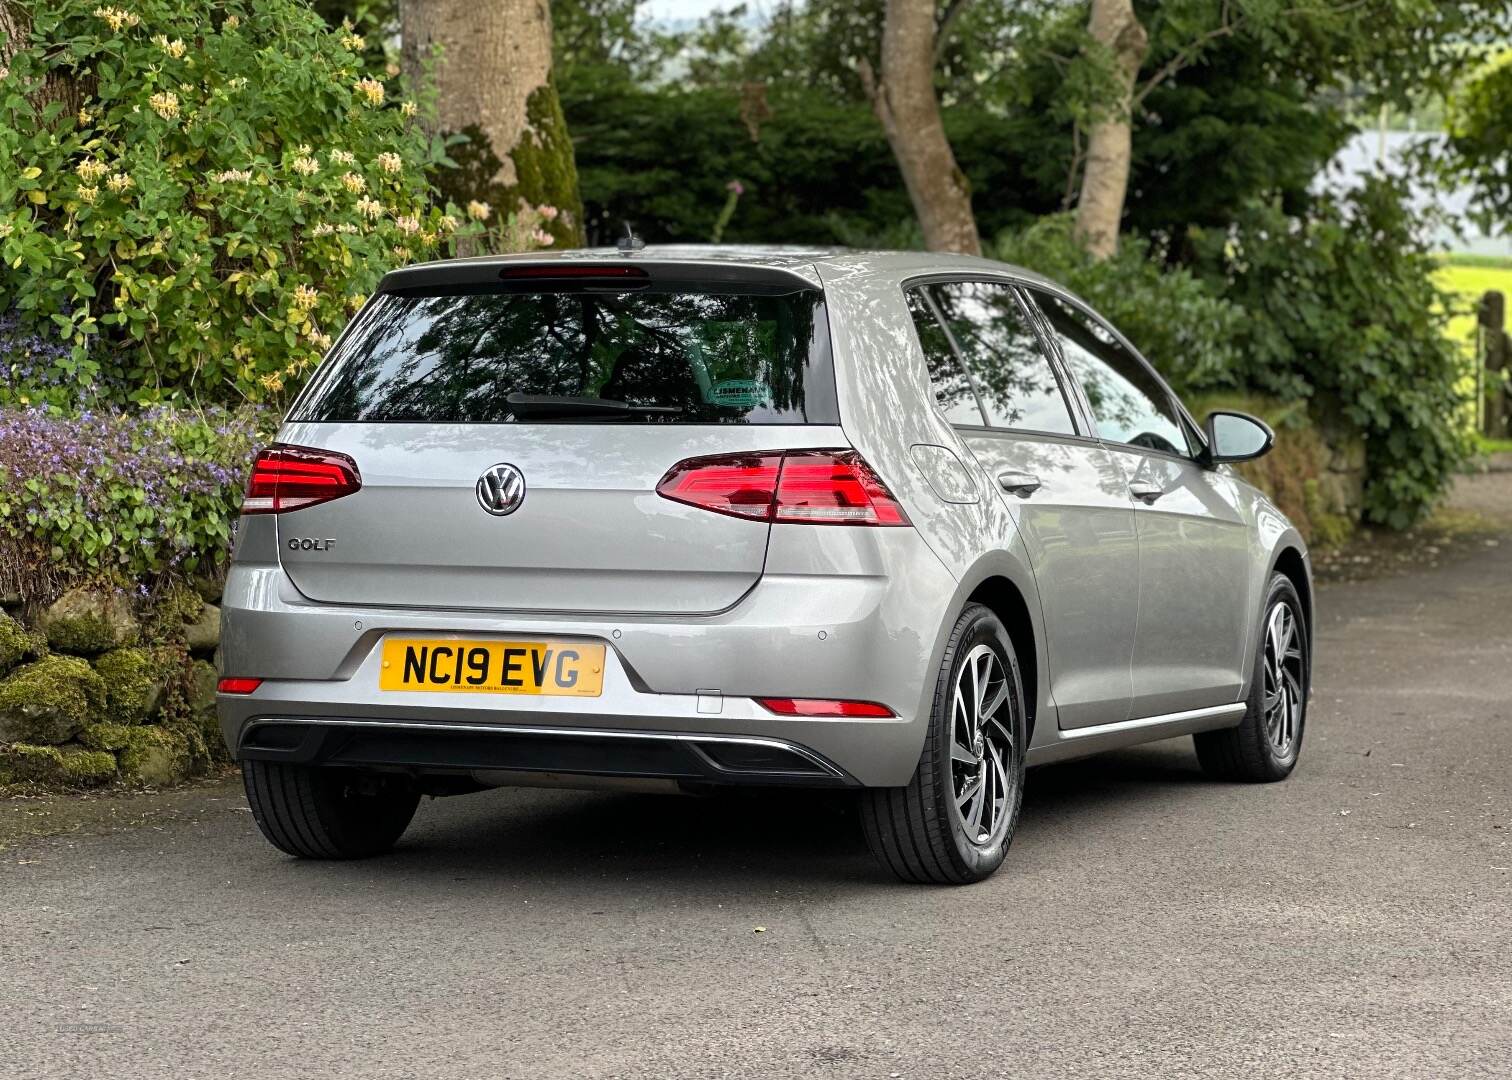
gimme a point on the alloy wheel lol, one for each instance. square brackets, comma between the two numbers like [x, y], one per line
[1285, 677]
[983, 767]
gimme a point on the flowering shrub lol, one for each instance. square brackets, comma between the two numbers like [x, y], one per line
[144, 496]
[232, 186]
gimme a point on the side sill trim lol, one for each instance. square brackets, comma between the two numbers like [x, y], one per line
[1217, 712]
[1083, 742]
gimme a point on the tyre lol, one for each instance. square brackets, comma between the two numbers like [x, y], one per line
[315, 813]
[1265, 745]
[954, 821]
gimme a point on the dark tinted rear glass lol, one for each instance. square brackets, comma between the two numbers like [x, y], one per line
[718, 357]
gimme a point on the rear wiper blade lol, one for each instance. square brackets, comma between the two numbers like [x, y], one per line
[569, 405]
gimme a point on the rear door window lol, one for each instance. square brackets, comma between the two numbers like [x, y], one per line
[581, 355]
[1002, 351]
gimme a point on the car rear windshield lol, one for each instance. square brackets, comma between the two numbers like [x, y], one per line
[581, 355]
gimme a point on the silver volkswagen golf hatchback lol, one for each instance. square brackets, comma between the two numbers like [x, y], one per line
[684, 518]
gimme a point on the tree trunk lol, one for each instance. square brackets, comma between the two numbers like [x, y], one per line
[15, 28]
[490, 63]
[905, 102]
[1110, 141]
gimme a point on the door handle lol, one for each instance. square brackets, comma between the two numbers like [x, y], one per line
[1146, 493]
[1019, 483]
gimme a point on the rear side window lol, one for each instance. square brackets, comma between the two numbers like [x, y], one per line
[581, 355]
[952, 388]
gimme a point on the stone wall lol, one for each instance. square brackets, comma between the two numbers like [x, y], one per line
[97, 688]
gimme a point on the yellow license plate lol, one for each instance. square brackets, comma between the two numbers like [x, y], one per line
[552, 668]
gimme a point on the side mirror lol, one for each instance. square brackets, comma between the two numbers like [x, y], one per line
[1236, 436]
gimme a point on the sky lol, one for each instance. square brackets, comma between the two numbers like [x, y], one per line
[687, 9]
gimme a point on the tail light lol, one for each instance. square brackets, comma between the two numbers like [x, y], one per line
[236, 685]
[811, 487]
[288, 478]
[784, 706]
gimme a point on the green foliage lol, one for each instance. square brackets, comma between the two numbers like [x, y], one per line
[1343, 312]
[147, 497]
[233, 186]
[1178, 321]
[1480, 139]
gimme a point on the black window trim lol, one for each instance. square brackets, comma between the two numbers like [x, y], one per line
[1081, 419]
[1184, 418]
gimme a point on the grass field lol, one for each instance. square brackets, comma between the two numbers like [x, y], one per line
[1469, 277]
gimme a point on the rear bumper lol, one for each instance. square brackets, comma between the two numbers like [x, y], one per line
[513, 749]
[677, 695]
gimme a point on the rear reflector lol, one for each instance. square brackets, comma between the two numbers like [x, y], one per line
[786, 706]
[288, 478]
[809, 487]
[232, 685]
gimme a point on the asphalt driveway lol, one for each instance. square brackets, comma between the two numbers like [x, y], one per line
[1355, 921]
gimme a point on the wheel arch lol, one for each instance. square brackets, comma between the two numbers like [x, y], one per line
[1290, 560]
[1008, 590]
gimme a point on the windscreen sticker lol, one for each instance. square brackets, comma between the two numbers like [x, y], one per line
[738, 393]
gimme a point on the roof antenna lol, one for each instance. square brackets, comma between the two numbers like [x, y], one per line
[629, 244]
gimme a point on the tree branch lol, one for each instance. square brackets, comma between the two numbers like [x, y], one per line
[953, 11]
[1229, 24]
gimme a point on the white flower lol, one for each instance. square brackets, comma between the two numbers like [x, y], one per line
[478, 211]
[409, 224]
[305, 166]
[370, 208]
[175, 48]
[117, 18]
[353, 183]
[165, 104]
[370, 89]
[90, 170]
[390, 162]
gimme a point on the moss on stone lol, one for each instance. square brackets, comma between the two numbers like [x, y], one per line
[67, 766]
[134, 681]
[17, 643]
[85, 621]
[50, 700]
[202, 680]
[149, 755]
[177, 607]
[202, 636]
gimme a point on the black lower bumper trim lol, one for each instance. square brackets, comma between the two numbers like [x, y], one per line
[427, 748]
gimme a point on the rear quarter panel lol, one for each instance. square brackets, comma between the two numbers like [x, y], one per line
[887, 410]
